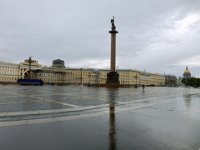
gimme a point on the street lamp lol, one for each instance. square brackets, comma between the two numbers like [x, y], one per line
[136, 77]
[89, 75]
[81, 76]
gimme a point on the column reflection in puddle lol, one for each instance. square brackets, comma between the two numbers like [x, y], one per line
[112, 93]
[187, 99]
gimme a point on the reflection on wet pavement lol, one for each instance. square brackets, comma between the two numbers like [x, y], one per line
[112, 130]
[127, 118]
[59, 101]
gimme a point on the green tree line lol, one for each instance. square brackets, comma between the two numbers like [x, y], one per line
[195, 82]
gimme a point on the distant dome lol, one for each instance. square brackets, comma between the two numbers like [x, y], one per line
[58, 63]
[186, 73]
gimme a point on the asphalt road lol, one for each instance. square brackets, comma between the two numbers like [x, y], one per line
[77, 118]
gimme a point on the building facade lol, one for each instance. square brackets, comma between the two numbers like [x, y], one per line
[9, 72]
[59, 74]
[170, 80]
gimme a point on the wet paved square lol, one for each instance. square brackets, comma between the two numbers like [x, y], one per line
[72, 117]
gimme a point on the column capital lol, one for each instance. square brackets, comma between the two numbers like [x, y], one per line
[113, 31]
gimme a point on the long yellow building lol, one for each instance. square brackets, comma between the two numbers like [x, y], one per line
[9, 72]
[58, 74]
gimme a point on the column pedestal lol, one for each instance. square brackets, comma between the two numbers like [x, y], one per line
[112, 80]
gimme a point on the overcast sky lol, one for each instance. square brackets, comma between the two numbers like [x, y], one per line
[159, 36]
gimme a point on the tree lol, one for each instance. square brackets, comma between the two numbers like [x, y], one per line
[194, 82]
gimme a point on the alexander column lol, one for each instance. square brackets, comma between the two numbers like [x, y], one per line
[113, 76]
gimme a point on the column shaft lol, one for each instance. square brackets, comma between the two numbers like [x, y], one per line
[113, 52]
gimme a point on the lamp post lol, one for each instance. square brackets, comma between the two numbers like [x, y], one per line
[136, 77]
[81, 76]
[89, 75]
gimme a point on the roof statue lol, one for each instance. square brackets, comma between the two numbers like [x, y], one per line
[113, 24]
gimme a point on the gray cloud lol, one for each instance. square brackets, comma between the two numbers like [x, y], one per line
[157, 36]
